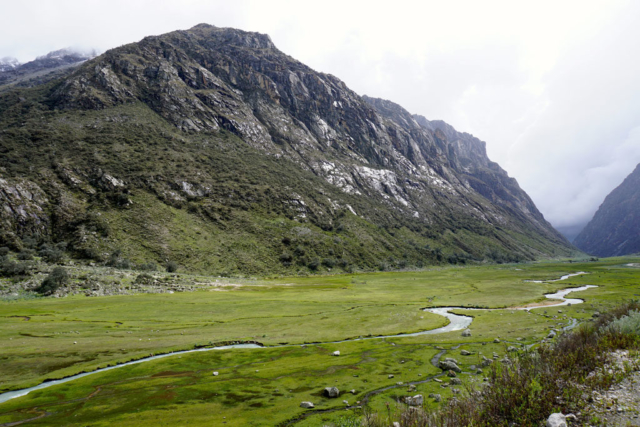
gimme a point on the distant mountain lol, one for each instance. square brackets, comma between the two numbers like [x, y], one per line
[42, 69]
[615, 228]
[213, 148]
[8, 63]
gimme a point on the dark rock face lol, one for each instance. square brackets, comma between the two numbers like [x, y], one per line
[615, 228]
[368, 157]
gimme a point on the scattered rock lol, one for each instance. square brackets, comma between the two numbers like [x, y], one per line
[455, 381]
[451, 374]
[416, 400]
[336, 353]
[497, 340]
[556, 420]
[512, 349]
[465, 353]
[353, 391]
[447, 365]
[552, 334]
[466, 333]
[215, 374]
[307, 405]
[331, 392]
[390, 376]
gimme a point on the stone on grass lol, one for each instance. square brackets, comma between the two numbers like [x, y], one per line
[451, 374]
[390, 376]
[497, 340]
[455, 381]
[552, 334]
[512, 349]
[306, 405]
[331, 392]
[416, 400]
[353, 391]
[465, 352]
[447, 365]
[466, 333]
[215, 373]
[336, 353]
[556, 420]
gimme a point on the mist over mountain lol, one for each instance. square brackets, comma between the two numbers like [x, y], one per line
[212, 148]
[615, 228]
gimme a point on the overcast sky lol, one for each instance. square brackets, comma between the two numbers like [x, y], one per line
[553, 87]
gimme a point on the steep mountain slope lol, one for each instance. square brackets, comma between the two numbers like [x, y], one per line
[213, 148]
[615, 227]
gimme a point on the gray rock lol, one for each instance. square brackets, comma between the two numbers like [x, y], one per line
[497, 340]
[455, 381]
[331, 392]
[466, 333]
[437, 398]
[556, 420]
[353, 391]
[512, 349]
[336, 353]
[215, 374]
[552, 334]
[390, 376]
[451, 374]
[447, 365]
[465, 353]
[306, 405]
[416, 400]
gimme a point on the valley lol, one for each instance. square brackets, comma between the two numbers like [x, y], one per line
[47, 338]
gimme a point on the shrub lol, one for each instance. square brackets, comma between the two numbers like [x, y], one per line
[52, 253]
[4, 251]
[10, 268]
[329, 262]
[149, 266]
[25, 255]
[314, 264]
[172, 267]
[57, 278]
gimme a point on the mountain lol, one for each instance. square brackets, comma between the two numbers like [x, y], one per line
[615, 227]
[8, 63]
[212, 148]
[40, 70]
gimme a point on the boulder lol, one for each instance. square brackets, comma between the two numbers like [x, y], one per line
[447, 365]
[552, 334]
[416, 400]
[556, 420]
[336, 353]
[390, 376]
[466, 333]
[465, 353]
[451, 374]
[215, 374]
[331, 392]
[512, 349]
[455, 381]
[497, 340]
[450, 359]
[307, 405]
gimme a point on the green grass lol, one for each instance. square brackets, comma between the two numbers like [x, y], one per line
[181, 390]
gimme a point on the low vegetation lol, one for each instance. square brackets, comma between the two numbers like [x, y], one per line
[558, 377]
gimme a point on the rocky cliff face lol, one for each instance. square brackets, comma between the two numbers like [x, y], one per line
[615, 228]
[233, 93]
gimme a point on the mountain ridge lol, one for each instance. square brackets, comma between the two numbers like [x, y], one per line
[224, 93]
[614, 229]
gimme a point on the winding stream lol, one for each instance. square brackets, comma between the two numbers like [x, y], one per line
[457, 322]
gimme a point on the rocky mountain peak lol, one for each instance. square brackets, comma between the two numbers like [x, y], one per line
[8, 63]
[344, 154]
